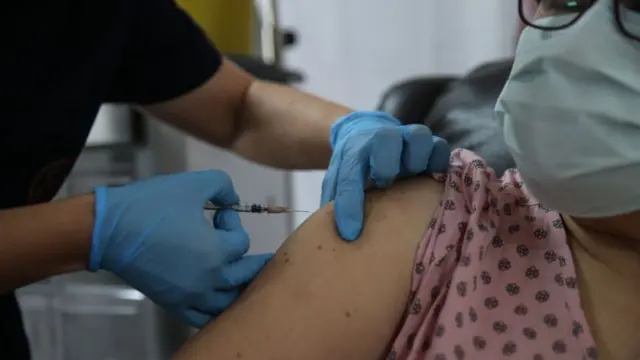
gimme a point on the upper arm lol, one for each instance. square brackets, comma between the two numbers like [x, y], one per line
[166, 55]
[324, 298]
[212, 110]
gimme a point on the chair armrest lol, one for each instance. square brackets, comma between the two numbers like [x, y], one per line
[410, 101]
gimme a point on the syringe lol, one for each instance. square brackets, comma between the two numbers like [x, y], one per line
[253, 208]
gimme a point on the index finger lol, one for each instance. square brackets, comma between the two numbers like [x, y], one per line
[216, 186]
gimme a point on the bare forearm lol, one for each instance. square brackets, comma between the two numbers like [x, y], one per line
[286, 128]
[271, 124]
[40, 241]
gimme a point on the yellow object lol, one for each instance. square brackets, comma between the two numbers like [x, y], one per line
[229, 23]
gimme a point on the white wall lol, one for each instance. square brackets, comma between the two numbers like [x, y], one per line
[351, 51]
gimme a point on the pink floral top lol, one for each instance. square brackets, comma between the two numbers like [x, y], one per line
[494, 277]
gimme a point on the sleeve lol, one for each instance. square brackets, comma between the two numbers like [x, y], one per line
[456, 238]
[167, 55]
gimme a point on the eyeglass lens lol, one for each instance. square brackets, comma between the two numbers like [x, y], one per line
[633, 5]
[564, 12]
[628, 17]
[559, 14]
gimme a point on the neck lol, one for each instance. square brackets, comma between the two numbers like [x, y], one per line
[618, 252]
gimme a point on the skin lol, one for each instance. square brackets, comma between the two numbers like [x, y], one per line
[26, 254]
[318, 291]
[607, 257]
[530, 9]
[267, 123]
[319, 284]
[342, 301]
[606, 253]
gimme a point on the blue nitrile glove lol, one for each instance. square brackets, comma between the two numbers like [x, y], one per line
[371, 145]
[154, 235]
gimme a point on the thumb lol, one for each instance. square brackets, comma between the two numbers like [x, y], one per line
[245, 269]
[215, 186]
[440, 156]
[349, 201]
[349, 212]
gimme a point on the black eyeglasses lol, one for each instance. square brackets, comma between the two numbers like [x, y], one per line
[567, 12]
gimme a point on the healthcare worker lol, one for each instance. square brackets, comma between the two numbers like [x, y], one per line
[62, 59]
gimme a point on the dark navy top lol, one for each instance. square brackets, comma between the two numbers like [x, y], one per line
[59, 61]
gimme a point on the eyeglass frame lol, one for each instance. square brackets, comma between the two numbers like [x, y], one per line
[616, 15]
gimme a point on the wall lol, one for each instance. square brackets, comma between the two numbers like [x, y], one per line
[351, 51]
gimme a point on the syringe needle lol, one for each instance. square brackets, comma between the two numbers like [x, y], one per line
[273, 209]
[253, 208]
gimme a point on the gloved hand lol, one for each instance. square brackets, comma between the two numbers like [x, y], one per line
[154, 235]
[370, 145]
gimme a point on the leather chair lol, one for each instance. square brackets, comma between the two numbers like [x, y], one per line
[458, 109]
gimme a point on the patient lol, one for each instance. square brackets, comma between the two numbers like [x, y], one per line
[469, 265]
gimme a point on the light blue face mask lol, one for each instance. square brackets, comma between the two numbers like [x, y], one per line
[571, 114]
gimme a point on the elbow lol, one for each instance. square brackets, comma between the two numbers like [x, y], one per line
[252, 132]
[235, 88]
[241, 123]
[217, 112]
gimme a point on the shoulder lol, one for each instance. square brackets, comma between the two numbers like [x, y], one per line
[321, 297]
[484, 202]
[471, 182]
[484, 226]
[477, 211]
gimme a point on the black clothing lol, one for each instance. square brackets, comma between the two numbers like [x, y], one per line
[60, 61]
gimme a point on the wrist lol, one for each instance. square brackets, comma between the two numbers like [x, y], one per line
[44, 240]
[76, 218]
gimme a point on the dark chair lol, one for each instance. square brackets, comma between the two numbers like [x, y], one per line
[458, 109]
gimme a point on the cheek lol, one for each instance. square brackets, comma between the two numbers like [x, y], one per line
[521, 27]
[530, 8]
